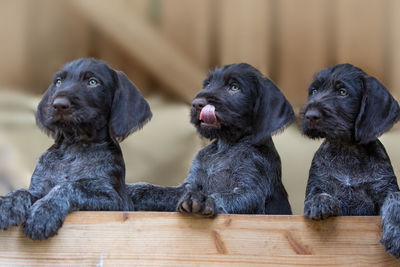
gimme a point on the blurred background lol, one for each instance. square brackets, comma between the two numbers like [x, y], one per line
[167, 47]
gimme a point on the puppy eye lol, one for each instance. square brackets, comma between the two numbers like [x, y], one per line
[93, 82]
[343, 92]
[234, 87]
[58, 82]
[314, 91]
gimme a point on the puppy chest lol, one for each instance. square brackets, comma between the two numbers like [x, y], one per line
[352, 177]
[355, 197]
[73, 166]
[218, 177]
[348, 168]
[221, 175]
[352, 186]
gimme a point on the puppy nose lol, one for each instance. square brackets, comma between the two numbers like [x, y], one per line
[199, 103]
[61, 103]
[312, 115]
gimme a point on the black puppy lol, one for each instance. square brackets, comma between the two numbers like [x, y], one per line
[240, 172]
[87, 108]
[351, 173]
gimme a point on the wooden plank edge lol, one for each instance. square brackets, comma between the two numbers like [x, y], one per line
[169, 238]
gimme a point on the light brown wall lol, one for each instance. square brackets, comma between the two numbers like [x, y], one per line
[288, 40]
[13, 29]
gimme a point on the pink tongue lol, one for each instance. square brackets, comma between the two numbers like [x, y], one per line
[207, 114]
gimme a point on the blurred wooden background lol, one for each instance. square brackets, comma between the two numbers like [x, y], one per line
[169, 45]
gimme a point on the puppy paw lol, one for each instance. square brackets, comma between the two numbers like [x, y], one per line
[13, 209]
[391, 224]
[391, 209]
[391, 239]
[43, 221]
[321, 207]
[197, 204]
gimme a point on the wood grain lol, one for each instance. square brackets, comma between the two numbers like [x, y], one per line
[155, 238]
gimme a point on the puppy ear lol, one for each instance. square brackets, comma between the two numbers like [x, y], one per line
[271, 113]
[129, 110]
[378, 112]
[41, 112]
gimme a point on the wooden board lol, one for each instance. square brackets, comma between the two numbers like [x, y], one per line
[155, 238]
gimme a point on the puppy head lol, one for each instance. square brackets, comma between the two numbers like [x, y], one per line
[236, 100]
[346, 104]
[86, 98]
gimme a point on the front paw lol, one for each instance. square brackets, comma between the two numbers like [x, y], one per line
[321, 207]
[391, 224]
[43, 221]
[13, 210]
[391, 239]
[197, 204]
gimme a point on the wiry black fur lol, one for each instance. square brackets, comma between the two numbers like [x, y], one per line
[84, 169]
[240, 171]
[351, 173]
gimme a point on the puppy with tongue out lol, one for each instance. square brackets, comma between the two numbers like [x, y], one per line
[240, 171]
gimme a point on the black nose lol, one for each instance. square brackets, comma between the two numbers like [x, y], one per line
[61, 103]
[313, 115]
[199, 103]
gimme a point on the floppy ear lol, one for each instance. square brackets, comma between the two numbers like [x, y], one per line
[41, 113]
[129, 110]
[378, 112]
[271, 113]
